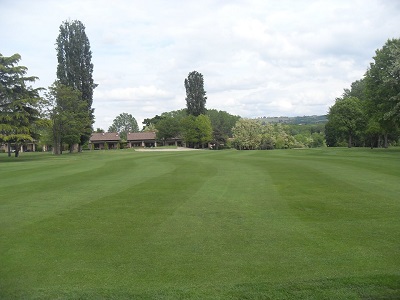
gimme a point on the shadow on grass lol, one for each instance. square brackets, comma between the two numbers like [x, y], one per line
[32, 156]
[372, 287]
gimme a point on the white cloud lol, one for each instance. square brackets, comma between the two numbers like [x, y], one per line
[258, 57]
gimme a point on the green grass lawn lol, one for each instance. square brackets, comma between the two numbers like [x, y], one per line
[282, 224]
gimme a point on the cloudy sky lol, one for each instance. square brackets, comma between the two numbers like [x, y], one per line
[258, 57]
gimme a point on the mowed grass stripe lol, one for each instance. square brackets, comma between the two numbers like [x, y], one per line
[212, 231]
[71, 181]
[205, 224]
[341, 215]
[96, 232]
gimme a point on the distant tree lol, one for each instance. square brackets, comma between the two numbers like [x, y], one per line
[168, 128]
[149, 128]
[333, 137]
[383, 87]
[283, 138]
[318, 140]
[222, 124]
[19, 104]
[67, 114]
[75, 68]
[151, 121]
[358, 90]
[195, 94]
[189, 131]
[347, 116]
[308, 135]
[178, 114]
[99, 130]
[247, 134]
[123, 124]
[204, 129]
[372, 132]
[197, 131]
[268, 137]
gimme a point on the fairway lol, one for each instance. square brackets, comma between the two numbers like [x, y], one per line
[281, 224]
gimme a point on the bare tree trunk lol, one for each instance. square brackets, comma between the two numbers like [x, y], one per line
[57, 145]
[349, 142]
[9, 149]
[57, 139]
[17, 148]
[386, 144]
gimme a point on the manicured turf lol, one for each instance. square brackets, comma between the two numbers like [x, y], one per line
[282, 224]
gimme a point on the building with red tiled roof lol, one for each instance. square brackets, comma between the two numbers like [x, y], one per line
[141, 139]
[99, 140]
[149, 139]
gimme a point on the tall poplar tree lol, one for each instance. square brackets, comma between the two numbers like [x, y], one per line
[75, 68]
[195, 94]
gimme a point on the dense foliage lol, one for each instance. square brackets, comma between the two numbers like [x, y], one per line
[75, 68]
[67, 115]
[250, 134]
[19, 104]
[195, 94]
[222, 124]
[347, 117]
[123, 124]
[215, 127]
[369, 112]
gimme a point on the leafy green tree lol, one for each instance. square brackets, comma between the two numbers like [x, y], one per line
[19, 104]
[317, 140]
[189, 130]
[357, 89]
[99, 130]
[178, 114]
[222, 124]
[372, 132]
[268, 137]
[67, 115]
[204, 129]
[308, 135]
[196, 130]
[347, 116]
[333, 136]
[304, 139]
[149, 128]
[247, 134]
[151, 121]
[123, 124]
[383, 87]
[168, 128]
[284, 140]
[75, 68]
[195, 94]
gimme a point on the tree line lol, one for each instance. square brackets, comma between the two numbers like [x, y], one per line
[196, 125]
[368, 114]
[65, 115]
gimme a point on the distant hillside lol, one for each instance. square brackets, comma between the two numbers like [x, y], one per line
[295, 120]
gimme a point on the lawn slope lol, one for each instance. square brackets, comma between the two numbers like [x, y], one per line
[293, 224]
